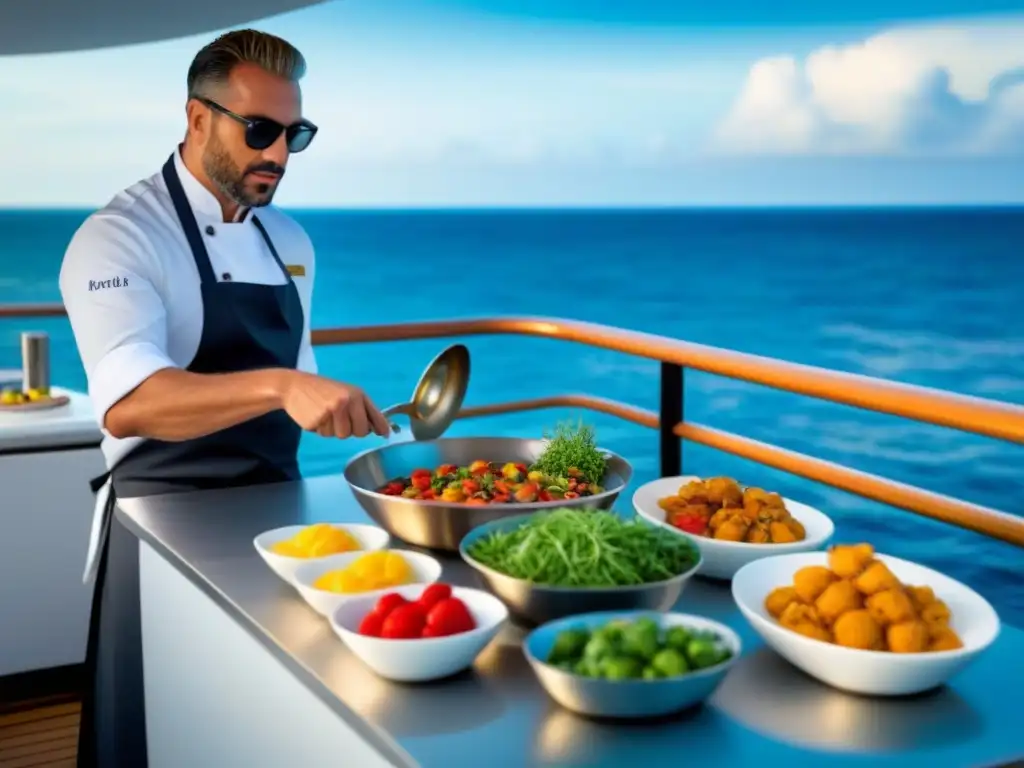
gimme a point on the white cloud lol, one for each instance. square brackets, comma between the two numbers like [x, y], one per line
[920, 90]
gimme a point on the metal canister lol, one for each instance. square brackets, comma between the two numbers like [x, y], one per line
[35, 361]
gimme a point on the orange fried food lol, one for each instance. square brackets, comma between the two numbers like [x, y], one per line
[724, 492]
[848, 561]
[875, 578]
[858, 602]
[890, 606]
[943, 638]
[813, 631]
[936, 612]
[809, 582]
[908, 637]
[838, 598]
[778, 600]
[797, 614]
[856, 629]
[750, 516]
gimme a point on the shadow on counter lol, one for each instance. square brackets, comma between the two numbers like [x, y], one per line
[806, 712]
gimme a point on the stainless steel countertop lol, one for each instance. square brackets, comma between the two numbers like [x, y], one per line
[497, 714]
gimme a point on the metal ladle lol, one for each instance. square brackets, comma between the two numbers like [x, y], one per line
[438, 395]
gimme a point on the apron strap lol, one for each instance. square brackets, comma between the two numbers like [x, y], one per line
[188, 222]
[270, 245]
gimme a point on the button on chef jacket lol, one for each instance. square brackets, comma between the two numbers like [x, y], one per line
[132, 289]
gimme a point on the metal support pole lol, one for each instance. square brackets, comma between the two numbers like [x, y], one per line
[670, 414]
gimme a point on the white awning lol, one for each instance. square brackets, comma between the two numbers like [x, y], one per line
[52, 26]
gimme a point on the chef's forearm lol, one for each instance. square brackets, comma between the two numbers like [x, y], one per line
[175, 405]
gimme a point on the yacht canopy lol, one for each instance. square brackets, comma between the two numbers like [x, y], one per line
[52, 26]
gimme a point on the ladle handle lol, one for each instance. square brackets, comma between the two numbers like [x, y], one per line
[396, 410]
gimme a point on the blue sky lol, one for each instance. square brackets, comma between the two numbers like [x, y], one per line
[431, 103]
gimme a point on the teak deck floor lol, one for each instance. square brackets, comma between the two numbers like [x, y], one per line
[40, 733]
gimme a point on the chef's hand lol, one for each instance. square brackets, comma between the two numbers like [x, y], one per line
[331, 408]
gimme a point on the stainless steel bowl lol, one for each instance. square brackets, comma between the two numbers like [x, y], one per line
[596, 697]
[533, 604]
[439, 524]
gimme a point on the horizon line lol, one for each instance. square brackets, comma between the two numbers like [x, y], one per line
[581, 207]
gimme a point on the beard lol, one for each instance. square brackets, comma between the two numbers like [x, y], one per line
[234, 182]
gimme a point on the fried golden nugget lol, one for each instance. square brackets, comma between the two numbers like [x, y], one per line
[943, 638]
[848, 561]
[779, 599]
[936, 612]
[693, 490]
[890, 606]
[799, 613]
[908, 637]
[733, 529]
[758, 533]
[724, 491]
[810, 581]
[838, 598]
[921, 596]
[856, 629]
[813, 631]
[799, 532]
[782, 533]
[875, 578]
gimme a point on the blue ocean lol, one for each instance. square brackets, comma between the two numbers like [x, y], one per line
[929, 297]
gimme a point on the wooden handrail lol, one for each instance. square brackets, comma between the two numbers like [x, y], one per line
[975, 517]
[969, 414]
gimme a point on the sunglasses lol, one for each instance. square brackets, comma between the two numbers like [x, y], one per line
[262, 132]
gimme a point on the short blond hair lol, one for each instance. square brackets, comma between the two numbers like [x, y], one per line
[213, 64]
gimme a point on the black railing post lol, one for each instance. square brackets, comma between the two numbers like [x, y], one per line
[670, 414]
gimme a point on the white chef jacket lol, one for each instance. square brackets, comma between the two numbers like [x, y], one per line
[132, 289]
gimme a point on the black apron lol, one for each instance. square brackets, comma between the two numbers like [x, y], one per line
[245, 327]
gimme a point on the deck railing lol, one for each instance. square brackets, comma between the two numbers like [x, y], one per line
[969, 414]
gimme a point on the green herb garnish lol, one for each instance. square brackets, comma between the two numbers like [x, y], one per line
[574, 547]
[572, 447]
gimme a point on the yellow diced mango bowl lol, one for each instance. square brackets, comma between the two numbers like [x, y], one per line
[328, 582]
[285, 549]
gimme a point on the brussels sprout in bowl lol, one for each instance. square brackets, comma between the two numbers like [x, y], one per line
[631, 665]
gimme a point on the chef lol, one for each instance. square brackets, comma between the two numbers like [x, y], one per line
[189, 298]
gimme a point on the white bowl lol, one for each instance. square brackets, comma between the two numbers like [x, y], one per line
[596, 697]
[419, 660]
[722, 559]
[875, 673]
[425, 570]
[370, 538]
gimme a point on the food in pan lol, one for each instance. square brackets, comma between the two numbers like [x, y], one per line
[719, 508]
[374, 570]
[857, 602]
[579, 547]
[570, 467]
[435, 613]
[318, 540]
[636, 650]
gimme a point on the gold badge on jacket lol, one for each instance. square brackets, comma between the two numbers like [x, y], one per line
[296, 270]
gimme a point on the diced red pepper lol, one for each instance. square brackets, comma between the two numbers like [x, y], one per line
[479, 468]
[394, 488]
[501, 498]
[446, 469]
[420, 473]
[571, 495]
[421, 482]
[434, 594]
[449, 617]
[469, 487]
[527, 492]
[523, 469]
[544, 495]
[405, 622]
[500, 486]
[694, 524]
[388, 603]
[428, 494]
[371, 624]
